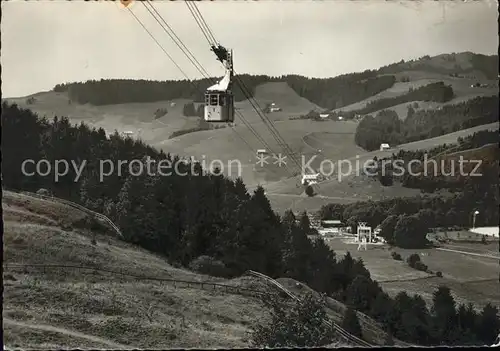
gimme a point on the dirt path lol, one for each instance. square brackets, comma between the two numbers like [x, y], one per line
[66, 332]
[470, 253]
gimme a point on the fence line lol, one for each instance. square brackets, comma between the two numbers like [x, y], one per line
[343, 333]
[346, 335]
[78, 207]
[203, 285]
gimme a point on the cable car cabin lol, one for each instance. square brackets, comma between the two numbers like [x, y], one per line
[219, 101]
[219, 106]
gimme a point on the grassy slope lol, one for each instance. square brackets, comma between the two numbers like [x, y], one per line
[461, 87]
[112, 309]
[136, 117]
[106, 306]
[422, 72]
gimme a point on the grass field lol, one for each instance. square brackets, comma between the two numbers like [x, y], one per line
[471, 278]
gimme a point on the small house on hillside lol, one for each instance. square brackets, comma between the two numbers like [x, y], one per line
[324, 115]
[310, 179]
[384, 147]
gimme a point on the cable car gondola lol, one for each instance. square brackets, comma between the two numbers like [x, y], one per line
[219, 101]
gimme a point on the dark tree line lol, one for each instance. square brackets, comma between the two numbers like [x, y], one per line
[192, 213]
[406, 221]
[439, 167]
[438, 92]
[190, 110]
[387, 128]
[119, 91]
[331, 93]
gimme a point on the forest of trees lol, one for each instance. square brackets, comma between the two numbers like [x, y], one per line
[446, 175]
[120, 91]
[406, 221]
[386, 127]
[189, 214]
[331, 93]
[190, 110]
[437, 92]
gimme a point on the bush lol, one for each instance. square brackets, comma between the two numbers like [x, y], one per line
[91, 223]
[160, 112]
[66, 227]
[210, 266]
[420, 266]
[412, 260]
[396, 256]
[309, 191]
[439, 274]
[43, 192]
[350, 323]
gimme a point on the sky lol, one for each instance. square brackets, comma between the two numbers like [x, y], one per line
[45, 43]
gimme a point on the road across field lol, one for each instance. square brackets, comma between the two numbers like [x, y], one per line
[470, 253]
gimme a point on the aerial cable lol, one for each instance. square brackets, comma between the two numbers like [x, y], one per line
[180, 69]
[268, 122]
[205, 32]
[210, 33]
[193, 60]
[204, 28]
[156, 41]
[265, 119]
[203, 72]
[272, 128]
[196, 88]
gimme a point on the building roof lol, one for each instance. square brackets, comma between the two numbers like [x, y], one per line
[306, 176]
[332, 221]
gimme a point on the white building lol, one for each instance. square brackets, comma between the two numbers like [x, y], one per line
[384, 147]
[261, 152]
[364, 232]
[324, 115]
[310, 178]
